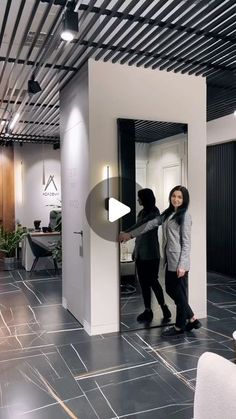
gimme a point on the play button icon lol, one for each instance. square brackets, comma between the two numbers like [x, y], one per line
[116, 209]
[105, 213]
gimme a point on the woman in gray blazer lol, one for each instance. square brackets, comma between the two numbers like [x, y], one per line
[147, 257]
[176, 223]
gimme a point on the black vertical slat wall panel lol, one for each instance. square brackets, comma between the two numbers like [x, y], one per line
[126, 163]
[221, 214]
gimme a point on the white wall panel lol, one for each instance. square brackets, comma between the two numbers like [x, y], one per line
[75, 172]
[33, 164]
[126, 92]
[116, 91]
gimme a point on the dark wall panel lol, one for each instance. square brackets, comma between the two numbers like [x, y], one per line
[126, 156]
[221, 200]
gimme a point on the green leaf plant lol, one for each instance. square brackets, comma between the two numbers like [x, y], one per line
[9, 241]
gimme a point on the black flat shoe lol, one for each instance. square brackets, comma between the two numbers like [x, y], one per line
[166, 312]
[172, 331]
[196, 324]
[146, 316]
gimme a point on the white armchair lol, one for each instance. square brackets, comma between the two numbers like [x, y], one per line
[215, 394]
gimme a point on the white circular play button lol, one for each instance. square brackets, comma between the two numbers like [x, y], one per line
[104, 212]
[116, 209]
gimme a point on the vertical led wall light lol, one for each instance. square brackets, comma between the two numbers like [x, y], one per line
[43, 177]
[107, 191]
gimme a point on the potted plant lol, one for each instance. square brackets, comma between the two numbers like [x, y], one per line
[9, 241]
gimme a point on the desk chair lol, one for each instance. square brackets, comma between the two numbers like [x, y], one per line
[40, 251]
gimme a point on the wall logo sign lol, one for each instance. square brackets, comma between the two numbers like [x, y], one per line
[50, 187]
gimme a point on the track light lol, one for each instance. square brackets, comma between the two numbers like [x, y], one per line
[56, 146]
[70, 23]
[33, 86]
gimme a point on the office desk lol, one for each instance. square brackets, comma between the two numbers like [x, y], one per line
[46, 239]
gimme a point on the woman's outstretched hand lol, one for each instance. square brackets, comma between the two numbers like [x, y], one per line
[124, 237]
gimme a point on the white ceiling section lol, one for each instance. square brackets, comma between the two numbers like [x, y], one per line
[193, 37]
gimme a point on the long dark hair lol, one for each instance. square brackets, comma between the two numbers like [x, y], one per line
[148, 200]
[180, 212]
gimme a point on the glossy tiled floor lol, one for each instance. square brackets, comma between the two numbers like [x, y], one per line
[50, 368]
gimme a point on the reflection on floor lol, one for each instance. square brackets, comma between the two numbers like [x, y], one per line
[131, 305]
[50, 368]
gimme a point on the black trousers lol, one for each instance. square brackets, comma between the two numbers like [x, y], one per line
[176, 288]
[148, 278]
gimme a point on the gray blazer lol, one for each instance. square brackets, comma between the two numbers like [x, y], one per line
[176, 240]
[147, 244]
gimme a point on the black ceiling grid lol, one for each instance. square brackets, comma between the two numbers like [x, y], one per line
[52, 87]
[151, 131]
[25, 103]
[191, 37]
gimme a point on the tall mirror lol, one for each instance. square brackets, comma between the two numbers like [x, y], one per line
[152, 154]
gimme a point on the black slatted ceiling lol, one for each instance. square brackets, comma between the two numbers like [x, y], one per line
[150, 131]
[191, 37]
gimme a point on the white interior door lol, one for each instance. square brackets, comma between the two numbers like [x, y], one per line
[73, 203]
[171, 178]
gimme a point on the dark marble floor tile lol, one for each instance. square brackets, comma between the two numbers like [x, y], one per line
[102, 354]
[8, 287]
[214, 312]
[129, 322]
[17, 315]
[71, 335]
[78, 407]
[221, 329]
[5, 275]
[221, 295]
[48, 292]
[26, 396]
[12, 300]
[91, 380]
[214, 278]
[25, 329]
[52, 315]
[50, 368]
[20, 355]
[186, 356]
[61, 327]
[147, 338]
[22, 274]
[144, 393]
[10, 343]
[176, 411]
[34, 340]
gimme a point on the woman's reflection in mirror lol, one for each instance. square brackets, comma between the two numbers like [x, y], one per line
[147, 258]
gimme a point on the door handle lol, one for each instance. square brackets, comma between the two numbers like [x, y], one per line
[79, 232]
